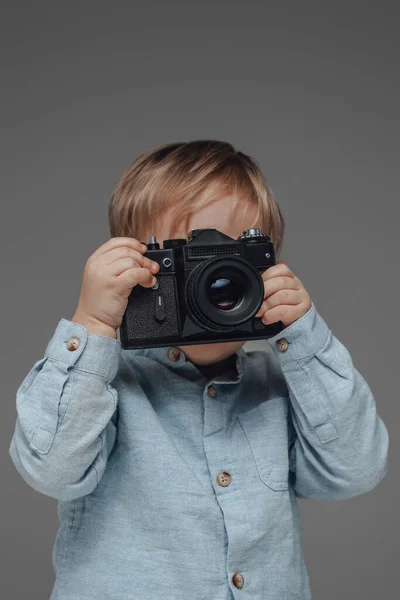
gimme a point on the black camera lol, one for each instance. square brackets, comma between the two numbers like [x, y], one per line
[208, 290]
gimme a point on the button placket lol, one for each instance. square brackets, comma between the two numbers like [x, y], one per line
[224, 479]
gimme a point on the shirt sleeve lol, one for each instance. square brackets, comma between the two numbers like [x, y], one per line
[66, 414]
[339, 443]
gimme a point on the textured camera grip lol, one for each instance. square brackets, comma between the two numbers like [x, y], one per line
[139, 322]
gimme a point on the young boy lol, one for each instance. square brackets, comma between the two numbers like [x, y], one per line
[177, 470]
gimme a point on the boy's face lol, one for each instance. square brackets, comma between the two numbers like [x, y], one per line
[220, 215]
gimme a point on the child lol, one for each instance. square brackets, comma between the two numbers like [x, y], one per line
[177, 469]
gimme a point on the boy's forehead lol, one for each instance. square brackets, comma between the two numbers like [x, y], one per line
[226, 214]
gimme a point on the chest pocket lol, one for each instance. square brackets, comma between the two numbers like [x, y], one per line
[266, 430]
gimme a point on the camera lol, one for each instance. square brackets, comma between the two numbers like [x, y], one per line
[209, 287]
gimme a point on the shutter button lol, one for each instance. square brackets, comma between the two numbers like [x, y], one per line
[211, 391]
[238, 580]
[282, 344]
[73, 343]
[174, 354]
[224, 478]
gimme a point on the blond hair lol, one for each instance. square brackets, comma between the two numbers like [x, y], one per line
[183, 177]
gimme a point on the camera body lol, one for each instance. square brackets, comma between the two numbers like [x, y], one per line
[208, 290]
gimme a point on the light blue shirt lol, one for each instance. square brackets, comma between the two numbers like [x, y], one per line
[174, 487]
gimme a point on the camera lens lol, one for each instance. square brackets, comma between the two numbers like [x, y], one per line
[224, 294]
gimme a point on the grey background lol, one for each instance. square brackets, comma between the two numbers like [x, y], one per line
[309, 90]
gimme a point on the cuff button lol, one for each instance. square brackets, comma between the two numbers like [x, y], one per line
[174, 354]
[282, 344]
[73, 343]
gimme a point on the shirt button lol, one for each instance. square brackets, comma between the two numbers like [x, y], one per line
[174, 354]
[282, 344]
[211, 391]
[73, 343]
[238, 580]
[224, 478]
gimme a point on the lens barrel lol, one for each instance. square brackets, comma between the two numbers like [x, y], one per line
[223, 292]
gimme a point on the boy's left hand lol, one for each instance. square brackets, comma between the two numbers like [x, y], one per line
[285, 297]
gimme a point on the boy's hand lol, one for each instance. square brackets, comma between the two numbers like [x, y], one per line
[110, 274]
[285, 297]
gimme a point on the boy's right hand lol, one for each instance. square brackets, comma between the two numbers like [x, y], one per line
[110, 274]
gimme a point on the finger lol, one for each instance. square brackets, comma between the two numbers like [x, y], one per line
[278, 270]
[274, 285]
[282, 296]
[282, 313]
[118, 241]
[124, 252]
[122, 264]
[280, 283]
[135, 275]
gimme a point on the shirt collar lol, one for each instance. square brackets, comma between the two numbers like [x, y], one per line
[175, 358]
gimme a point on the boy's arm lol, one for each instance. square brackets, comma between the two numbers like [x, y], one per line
[66, 414]
[340, 445]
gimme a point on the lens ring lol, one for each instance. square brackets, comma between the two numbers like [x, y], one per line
[202, 310]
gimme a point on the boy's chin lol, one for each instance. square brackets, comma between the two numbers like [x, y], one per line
[206, 354]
